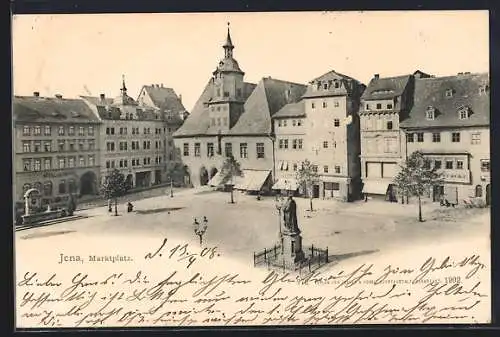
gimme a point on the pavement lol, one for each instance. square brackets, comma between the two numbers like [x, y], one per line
[250, 225]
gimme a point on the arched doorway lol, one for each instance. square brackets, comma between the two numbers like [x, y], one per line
[187, 176]
[488, 194]
[129, 181]
[479, 191]
[88, 183]
[203, 176]
[213, 172]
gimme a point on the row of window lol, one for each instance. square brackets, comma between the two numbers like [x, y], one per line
[324, 104]
[219, 108]
[219, 121]
[46, 188]
[134, 162]
[226, 93]
[284, 166]
[47, 130]
[123, 146]
[379, 106]
[228, 150]
[326, 85]
[135, 131]
[436, 137]
[296, 144]
[449, 164]
[46, 146]
[35, 164]
[295, 122]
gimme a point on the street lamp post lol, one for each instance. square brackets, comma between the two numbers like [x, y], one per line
[200, 228]
[279, 205]
[171, 188]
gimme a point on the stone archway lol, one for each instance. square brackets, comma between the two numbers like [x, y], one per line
[213, 172]
[203, 176]
[187, 176]
[88, 182]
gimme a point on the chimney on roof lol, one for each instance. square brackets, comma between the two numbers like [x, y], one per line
[58, 96]
[161, 85]
[467, 73]
[376, 76]
[102, 96]
[460, 73]
[36, 94]
[180, 98]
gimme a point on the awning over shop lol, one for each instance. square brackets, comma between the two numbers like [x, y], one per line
[286, 184]
[216, 180]
[252, 180]
[375, 187]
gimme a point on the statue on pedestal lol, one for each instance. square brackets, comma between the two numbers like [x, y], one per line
[290, 216]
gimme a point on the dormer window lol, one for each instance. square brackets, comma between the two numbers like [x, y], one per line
[449, 93]
[463, 112]
[336, 84]
[430, 113]
[318, 85]
[325, 86]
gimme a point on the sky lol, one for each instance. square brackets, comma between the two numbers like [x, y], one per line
[82, 54]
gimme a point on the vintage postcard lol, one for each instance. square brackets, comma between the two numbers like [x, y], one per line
[249, 169]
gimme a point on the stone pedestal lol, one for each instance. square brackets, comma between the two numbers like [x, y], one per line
[292, 248]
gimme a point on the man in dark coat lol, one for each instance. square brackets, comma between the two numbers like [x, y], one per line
[290, 215]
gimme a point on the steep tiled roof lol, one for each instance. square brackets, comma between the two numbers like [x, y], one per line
[431, 92]
[263, 101]
[198, 121]
[269, 97]
[347, 85]
[164, 98]
[46, 109]
[385, 87]
[97, 101]
[292, 110]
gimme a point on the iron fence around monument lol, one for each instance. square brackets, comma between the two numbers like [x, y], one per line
[267, 255]
[314, 258]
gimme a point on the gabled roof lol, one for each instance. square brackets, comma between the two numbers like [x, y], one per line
[385, 87]
[347, 85]
[198, 121]
[262, 101]
[55, 110]
[297, 109]
[269, 97]
[164, 98]
[431, 92]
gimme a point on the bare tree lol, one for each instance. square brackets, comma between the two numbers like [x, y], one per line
[307, 176]
[416, 177]
[114, 186]
[230, 168]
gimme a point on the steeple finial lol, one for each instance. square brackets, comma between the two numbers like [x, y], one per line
[228, 46]
[124, 88]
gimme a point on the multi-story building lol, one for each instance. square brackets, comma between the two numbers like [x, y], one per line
[165, 101]
[328, 125]
[384, 104]
[290, 133]
[233, 117]
[56, 148]
[449, 123]
[132, 138]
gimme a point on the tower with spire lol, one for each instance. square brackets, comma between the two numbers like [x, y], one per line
[227, 100]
